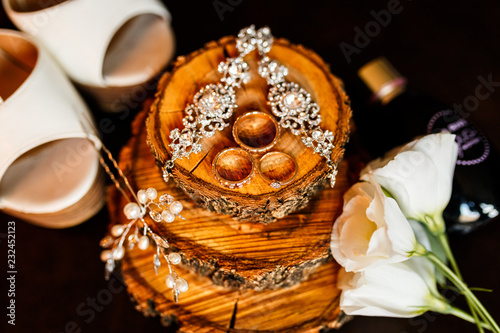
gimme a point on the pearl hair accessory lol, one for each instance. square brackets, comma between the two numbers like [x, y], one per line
[214, 104]
[138, 232]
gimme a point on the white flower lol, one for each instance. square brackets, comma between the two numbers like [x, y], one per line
[405, 289]
[418, 175]
[371, 230]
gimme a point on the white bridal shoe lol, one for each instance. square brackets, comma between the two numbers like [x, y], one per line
[107, 47]
[49, 168]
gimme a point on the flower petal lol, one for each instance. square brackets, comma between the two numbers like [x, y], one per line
[402, 289]
[371, 230]
[418, 175]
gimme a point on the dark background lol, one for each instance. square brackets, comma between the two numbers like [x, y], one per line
[442, 47]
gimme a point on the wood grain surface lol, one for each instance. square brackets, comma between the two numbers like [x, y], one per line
[235, 254]
[280, 275]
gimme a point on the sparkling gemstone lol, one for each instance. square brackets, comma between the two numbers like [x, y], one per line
[186, 139]
[209, 102]
[155, 215]
[292, 101]
[106, 242]
[329, 135]
[273, 65]
[276, 184]
[133, 238]
[160, 241]
[156, 260]
[117, 230]
[109, 268]
[170, 281]
[182, 285]
[222, 67]
[264, 40]
[143, 242]
[168, 216]
[176, 207]
[174, 257]
[246, 40]
[142, 196]
[176, 294]
[166, 176]
[235, 69]
[197, 148]
[318, 136]
[151, 193]
[166, 198]
[174, 134]
[332, 181]
[118, 253]
[106, 255]
[272, 71]
[156, 263]
[132, 210]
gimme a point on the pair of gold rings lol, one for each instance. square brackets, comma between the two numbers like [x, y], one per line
[235, 167]
[256, 133]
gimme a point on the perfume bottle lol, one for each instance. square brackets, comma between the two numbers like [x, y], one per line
[395, 114]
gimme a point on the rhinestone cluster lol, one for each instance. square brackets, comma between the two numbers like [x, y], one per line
[138, 233]
[212, 106]
[292, 104]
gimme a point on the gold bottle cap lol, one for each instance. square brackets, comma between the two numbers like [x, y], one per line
[383, 79]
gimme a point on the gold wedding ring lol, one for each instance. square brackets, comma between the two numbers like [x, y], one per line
[256, 132]
[277, 169]
[233, 167]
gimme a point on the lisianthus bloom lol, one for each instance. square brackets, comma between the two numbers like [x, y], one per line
[419, 177]
[405, 289]
[371, 230]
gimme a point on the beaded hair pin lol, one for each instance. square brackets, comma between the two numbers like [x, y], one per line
[137, 232]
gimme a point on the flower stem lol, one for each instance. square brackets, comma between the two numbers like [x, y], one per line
[465, 291]
[467, 317]
[443, 239]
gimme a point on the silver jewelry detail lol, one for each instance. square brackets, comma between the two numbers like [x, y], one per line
[293, 105]
[234, 71]
[140, 233]
[248, 39]
[137, 232]
[272, 71]
[212, 106]
[275, 184]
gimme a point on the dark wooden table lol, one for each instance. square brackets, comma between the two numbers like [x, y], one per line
[442, 47]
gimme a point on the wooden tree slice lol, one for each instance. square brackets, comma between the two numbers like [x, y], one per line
[234, 254]
[256, 201]
[205, 308]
